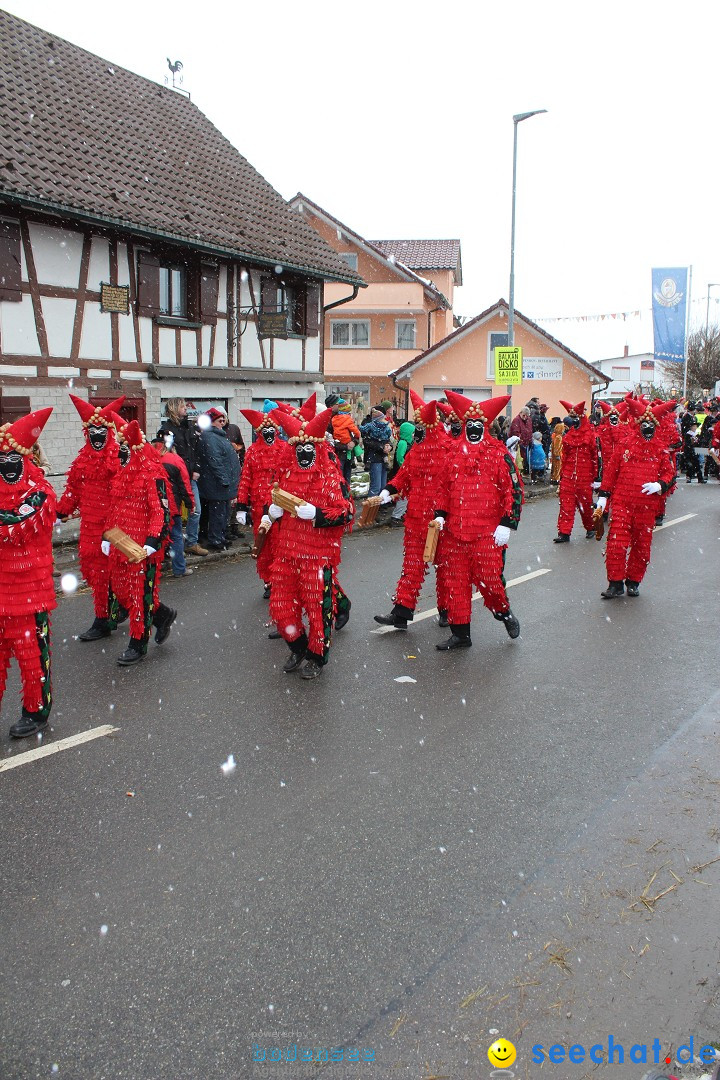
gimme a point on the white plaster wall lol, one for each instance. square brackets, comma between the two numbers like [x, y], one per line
[127, 339]
[96, 337]
[99, 269]
[312, 353]
[288, 354]
[62, 435]
[251, 355]
[59, 318]
[205, 336]
[220, 357]
[57, 254]
[123, 268]
[188, 348]
[222, 290]
[146, 339]
[17, 328]
[167, 345]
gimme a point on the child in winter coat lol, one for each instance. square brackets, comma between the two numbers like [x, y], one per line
[537, 457]
[559, 430]
[346, 435]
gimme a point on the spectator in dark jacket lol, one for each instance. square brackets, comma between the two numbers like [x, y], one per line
[540, 423]
[523, 428]
[179, 493]
[376, 435]
[186, 438]
[219, 476]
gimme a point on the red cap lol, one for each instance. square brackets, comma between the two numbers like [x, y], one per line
[578, 409]
[133, 435]
[24, 433]
[93, 414]
[467, 409]
[215, 414]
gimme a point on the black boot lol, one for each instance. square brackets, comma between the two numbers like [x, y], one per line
[615, 588]
[589, 533]
[343, 616]
[398, 617]
[123, 614]
[311, 667]
[562, 538]
[266, 593]
[274, 635]
[659, 519]
[298, 648]
[163, 619]
[443, 618]
[134, 653]
[28, 724]
[459, 639]
[633, 587]
[512, 624]
[100, 628]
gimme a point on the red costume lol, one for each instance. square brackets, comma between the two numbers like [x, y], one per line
[87, 490]
[418, 479]
[260, 470]
[139, 506]
[307, 550]
[579, 469]
[639, 474]
[479, 500]
[27, 592]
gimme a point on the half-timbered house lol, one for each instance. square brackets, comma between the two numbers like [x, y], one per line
[140, 253]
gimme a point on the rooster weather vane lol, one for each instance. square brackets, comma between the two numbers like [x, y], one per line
[176, 68]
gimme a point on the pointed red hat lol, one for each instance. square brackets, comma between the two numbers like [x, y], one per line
[607, 407]
[417, 401]
[445, 409]
[425, 412]
[24, 433]
[467, 409]
[640, 409]
[578, 409]
[308, 409]
[133, 435]
[308, 431]
[663, 408]
[120, 423]
[258, 420]
[93, 414]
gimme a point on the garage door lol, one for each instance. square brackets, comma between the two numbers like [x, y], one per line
[477, 393]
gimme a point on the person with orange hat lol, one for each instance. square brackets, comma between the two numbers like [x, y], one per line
[417, 478]
[28, 510]
[477, 506]
[139, 505]
[307, 552]
[87, 491]
[261, 468]
[579, 472]
[640, 473]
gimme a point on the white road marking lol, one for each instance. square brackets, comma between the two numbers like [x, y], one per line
[55, 748]
[675, 521]
[433, 611]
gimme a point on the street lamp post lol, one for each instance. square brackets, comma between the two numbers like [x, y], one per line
[712, 285]
[518, 118]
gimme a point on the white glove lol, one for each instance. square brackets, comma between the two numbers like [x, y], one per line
[596, 485]
[275, 512]
[385, 497]
[439, 523]
[307, 511]
[149, 550]
[602, 503]
[265, 522]
[501, 535]
[105, 547]
[651, 489]
[241, 517]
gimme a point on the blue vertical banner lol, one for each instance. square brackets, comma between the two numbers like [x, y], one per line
[669, 294]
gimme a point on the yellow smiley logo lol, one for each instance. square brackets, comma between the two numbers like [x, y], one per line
[502, 1053]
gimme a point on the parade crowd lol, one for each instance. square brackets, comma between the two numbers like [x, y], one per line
[452, 474]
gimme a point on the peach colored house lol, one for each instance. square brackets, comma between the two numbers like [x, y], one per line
[465, 361]
[405, 308]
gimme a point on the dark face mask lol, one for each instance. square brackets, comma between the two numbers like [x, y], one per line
[11, 467]
[596, 418]
[419, 434]
[614, 419]
[647, 429]
[268, 434]
[573, 421]
[474, 431]
[456, 429]
[97, 436]
[124, 454]
[305, 455]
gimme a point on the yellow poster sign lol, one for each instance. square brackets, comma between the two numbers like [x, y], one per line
[508, 365]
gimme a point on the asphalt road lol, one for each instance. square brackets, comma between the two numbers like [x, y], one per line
[384, 850]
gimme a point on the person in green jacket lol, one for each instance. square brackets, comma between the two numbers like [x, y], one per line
[406, 435]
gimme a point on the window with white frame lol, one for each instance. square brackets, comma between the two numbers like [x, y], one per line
[495, 341]
[350, 334]
[350, 258]
[620, 374]
[173, 291]
[404, 333]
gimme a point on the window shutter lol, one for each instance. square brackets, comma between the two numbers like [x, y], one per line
[268, 294]
[209, 286]
[10, 265]
[148, 301]
[13, 408]
[312, 302]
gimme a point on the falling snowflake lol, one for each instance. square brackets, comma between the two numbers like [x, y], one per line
[68, 583]
[228, 766]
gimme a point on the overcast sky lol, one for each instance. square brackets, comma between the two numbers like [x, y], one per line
[396, 117]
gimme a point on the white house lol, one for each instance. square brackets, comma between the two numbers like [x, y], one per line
[638, 371]
[140, 253]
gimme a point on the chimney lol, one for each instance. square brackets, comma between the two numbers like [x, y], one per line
[627, 350]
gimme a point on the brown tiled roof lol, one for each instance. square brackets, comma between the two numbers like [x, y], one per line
[91, 138]
[423, 254]
[474, 323]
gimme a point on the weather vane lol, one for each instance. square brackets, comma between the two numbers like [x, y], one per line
[176, 68]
